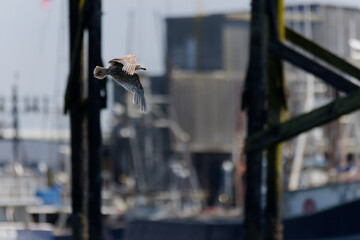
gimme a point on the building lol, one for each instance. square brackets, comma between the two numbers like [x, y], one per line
[207, 58]
[206, 62]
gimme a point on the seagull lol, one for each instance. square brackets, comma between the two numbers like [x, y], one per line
[122, 70]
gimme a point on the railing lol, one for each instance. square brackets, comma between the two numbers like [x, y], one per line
[18, 190]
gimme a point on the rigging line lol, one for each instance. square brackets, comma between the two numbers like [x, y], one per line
[53, 115]
[61, 38]
[46, 21]
[44, 27]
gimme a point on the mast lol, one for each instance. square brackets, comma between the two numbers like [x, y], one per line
[15, 114]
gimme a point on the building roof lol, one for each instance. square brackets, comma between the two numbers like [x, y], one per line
[340, 3]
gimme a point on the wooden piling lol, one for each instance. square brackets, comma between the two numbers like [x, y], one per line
[277, 113]
[254, 102]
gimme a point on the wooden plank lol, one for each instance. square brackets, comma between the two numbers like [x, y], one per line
[307, 64]
[303, 122]
[322, 53]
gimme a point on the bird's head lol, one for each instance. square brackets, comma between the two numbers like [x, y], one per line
[139, 67]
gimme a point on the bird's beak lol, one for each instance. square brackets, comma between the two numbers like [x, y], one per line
[143, 68]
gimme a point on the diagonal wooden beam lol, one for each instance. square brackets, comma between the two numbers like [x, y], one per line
[322, 53]
[334, 79]
[304, 122]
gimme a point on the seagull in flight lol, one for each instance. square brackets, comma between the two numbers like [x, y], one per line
[122, 70]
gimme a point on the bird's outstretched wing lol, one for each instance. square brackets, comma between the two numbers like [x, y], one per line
[128, 62]
[132, 84]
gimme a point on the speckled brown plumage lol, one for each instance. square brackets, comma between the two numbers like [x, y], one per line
[122, 71]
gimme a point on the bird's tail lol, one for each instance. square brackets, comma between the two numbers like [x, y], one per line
[139, 100]
[100, 72]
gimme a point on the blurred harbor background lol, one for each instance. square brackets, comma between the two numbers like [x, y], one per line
[184, 159]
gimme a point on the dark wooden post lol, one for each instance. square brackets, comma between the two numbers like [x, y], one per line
[277, 113]
[254, 102]
[94, 132]
[73, 103]
[278, 127]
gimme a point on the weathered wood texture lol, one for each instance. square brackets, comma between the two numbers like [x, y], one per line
[303, 122]
[94, 131]
[254, 102]
[77, 19]
[322, 53]
[334, 79]
[277, 113]
[74, 103]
